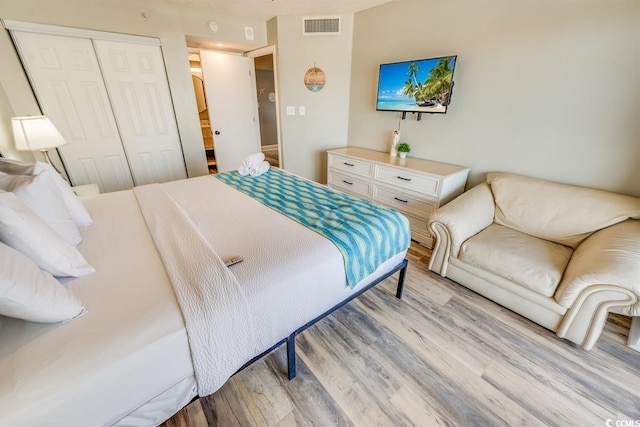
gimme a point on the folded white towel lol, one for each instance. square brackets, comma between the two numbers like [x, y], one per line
[253, 160]
[244, 171]
[259, 169]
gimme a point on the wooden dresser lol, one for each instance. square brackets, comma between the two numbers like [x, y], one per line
[414, 187]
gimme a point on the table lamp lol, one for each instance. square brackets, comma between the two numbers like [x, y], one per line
[36, 133]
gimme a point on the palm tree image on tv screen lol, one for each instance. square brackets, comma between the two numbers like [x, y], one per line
[416, 86]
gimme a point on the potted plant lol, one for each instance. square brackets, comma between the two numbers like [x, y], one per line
[403, 149]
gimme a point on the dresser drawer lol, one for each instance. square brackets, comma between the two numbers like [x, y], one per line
[421, 183]
[349, 184]
[403, 202]
[352, 166]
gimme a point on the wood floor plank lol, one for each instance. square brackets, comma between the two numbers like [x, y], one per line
[443, 355]
[550, 405]
[517, 346]
[436, 325]
[293, 419]
[610, 358]
[191, 416]
[462, 393]
[383, 376]
[352, 396]
[263, 395]
[309, 396]
[226, 408]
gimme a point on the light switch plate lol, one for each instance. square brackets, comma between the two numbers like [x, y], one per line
[291, 110]
[248, 33]
[302, 110]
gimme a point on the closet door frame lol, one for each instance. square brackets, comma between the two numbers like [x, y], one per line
[78, 32]
[12, 25]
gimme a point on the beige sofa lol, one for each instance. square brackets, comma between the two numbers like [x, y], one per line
[560, 255]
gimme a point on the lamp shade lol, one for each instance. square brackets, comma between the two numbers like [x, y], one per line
[36, 133]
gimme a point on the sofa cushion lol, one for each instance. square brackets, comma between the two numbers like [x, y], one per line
[561, 213]
[526, 260]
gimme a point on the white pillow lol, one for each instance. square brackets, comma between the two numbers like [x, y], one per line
[16, 167]
[76, 209]
[24, 231]
[41, 194]
[28, 293]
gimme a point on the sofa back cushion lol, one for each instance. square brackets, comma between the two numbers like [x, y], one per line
[560, 213]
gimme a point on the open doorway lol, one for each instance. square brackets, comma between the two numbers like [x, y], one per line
[266, 92]
[230, 105]
[203, 110]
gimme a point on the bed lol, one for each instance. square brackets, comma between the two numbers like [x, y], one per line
[129, 359]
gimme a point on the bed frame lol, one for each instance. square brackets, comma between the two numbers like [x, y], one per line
[291, 339]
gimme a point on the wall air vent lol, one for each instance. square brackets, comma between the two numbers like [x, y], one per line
[321, 25]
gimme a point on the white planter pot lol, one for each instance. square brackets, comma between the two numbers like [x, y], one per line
[402, 155]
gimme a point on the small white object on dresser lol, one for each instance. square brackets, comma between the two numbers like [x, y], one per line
[413, 186]
[86, 190]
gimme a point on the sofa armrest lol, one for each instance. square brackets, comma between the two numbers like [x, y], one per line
[602, 276]
[458, 220]
[610, 256]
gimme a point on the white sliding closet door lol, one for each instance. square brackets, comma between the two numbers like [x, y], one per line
[230, 87]
[137, 85]
[66, 77]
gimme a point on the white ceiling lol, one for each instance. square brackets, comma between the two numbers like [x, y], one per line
[267, 9]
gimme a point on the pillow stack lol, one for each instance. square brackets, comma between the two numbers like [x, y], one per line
[39, 219]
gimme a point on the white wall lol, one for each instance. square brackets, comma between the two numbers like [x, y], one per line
[7, 148]
[543, 88]
[169, 23]
[305, 139]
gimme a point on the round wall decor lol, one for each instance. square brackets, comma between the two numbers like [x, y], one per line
[314, 79]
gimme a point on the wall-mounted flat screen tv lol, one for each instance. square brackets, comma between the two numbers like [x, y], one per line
[420, 86]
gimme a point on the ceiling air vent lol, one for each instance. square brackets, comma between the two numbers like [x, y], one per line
[321, 25]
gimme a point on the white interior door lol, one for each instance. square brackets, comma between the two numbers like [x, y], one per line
[137, 85]
[230, 88]
[67, 81]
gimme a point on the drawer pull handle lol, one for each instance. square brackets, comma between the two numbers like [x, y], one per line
[403, 178]
[348, 164]
[347, 182]
[400, 200]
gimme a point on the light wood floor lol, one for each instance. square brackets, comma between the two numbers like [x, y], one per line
[442, 355]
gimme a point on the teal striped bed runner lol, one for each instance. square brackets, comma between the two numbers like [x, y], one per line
[366, 234]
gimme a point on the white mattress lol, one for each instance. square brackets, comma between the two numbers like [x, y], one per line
[132, 346]
[129, 347]
[290, 274]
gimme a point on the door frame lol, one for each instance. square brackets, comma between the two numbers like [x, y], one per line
[263, 51]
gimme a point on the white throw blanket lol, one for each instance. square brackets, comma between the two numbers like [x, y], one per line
[219, 323]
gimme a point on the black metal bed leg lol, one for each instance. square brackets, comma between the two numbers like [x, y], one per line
[403, 272]
[291, 356]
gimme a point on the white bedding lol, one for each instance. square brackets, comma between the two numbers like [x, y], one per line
[289, 275]
[132, 346]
